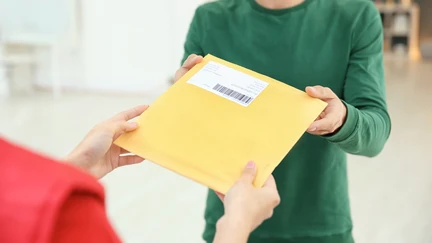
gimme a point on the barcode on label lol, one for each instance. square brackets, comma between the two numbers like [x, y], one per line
[233, 94]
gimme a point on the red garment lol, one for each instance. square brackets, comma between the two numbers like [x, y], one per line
[43, 201]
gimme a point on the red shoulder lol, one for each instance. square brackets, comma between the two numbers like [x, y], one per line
[32, 190]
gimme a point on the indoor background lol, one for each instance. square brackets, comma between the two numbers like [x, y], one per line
[66, 65]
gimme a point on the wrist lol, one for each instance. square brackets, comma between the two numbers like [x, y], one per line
[76, 160]
[228, 222]
[342, 118]
[72, 159]
[232, 228]
[349, 126]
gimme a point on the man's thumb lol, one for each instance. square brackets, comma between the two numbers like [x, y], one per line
[320, 92]
[249, 173]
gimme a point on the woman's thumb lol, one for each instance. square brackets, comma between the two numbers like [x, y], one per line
[249, 173]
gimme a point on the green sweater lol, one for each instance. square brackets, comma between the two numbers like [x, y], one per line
[333, 43]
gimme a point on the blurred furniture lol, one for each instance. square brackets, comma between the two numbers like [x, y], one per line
[14, 62]
[401, 27]
[34, 35]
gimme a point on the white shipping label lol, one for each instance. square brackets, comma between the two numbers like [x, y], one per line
[228, 83]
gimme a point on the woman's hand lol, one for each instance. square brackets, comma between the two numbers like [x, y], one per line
[190, 62]
[246, 205]
[333, 117]
[97, 154]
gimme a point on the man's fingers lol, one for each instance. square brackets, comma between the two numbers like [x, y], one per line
[191, 61]
[322, 93]
[131, 113]
[249, 173]
[326, 124]
[188, 60]
[129, 160]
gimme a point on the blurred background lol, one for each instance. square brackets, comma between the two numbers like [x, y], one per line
[65, 65]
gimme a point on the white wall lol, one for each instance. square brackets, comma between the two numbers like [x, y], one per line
[41, 16]
[122, 45]
[44, 19]
[133, 45]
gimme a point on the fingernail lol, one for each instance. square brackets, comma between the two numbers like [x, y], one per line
[250, 165]
[313, 129]
[133, 124]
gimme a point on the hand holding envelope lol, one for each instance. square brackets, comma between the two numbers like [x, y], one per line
[217, 116]
[190, 62]
[333, 117]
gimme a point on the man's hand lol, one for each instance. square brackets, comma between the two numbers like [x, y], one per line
[190, 62]
[333, 117]
[246, 205]
[97, 154]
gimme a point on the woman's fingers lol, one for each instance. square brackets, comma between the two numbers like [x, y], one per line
[120, 127]
[125, 152]
[220, 196]
[270, 182]
[129, 160]
[130, 113]
[119, 123]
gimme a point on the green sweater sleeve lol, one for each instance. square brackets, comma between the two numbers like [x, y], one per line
[367, 126]
[192, 44]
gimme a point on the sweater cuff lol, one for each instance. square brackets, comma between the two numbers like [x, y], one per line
[348, 128]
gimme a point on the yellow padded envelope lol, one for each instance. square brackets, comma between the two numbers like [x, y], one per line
[218, 117]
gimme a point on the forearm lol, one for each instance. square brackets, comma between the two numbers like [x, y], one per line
[74, 159]
[231, 230]
[365, 131]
